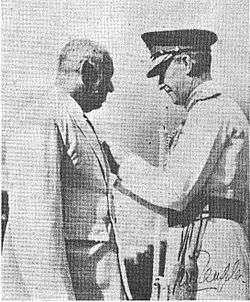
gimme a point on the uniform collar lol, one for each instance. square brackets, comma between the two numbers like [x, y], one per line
[205, 90]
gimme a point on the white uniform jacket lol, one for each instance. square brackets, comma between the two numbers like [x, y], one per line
[209, 153]
[209, 159]
[58, 188]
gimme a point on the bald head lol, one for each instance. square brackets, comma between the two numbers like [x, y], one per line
[84, 70]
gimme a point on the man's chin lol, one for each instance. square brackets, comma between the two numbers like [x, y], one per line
[93, 107]
[97, 106]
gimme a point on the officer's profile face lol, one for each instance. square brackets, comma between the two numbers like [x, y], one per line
[176, 79]
[95, 83]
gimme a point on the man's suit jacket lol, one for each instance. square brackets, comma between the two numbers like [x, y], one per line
[58, 188]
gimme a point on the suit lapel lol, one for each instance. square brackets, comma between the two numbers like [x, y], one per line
[86, 129]
[84, 126]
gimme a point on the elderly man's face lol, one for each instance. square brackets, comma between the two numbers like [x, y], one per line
[176, 81]
[91, 92]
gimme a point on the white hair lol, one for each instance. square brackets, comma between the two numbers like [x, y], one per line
[79, 50]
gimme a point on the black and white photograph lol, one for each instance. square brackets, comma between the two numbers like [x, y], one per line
[125, 150]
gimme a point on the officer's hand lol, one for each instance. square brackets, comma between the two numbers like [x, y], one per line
[119, 187]
[114, 166]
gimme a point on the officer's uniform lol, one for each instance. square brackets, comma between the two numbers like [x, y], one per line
[204, 179]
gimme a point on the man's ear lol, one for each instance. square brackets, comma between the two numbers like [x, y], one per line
[89, 74]
[187, 61]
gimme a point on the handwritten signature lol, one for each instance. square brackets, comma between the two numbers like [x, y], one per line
[209, 278]
[219, 278]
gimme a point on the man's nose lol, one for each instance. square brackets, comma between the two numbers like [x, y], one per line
[110, 87]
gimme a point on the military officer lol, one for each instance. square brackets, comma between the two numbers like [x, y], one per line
[203, 183]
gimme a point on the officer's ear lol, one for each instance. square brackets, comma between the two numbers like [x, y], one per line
[89, 74]
[187, 61]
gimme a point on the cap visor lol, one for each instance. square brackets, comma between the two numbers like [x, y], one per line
[155, 71]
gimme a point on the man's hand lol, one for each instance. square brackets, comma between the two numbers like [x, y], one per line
[119, 187]
[114, 166]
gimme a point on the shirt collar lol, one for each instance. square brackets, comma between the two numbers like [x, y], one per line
[65, 99]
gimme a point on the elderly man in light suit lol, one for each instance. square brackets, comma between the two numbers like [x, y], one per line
[60, 239]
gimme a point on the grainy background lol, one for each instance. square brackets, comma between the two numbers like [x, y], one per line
[33, 32]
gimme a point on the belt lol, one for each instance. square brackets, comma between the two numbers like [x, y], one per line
[218, 207]
[231, 209]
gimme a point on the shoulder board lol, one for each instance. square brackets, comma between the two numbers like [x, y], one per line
[200, 100]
